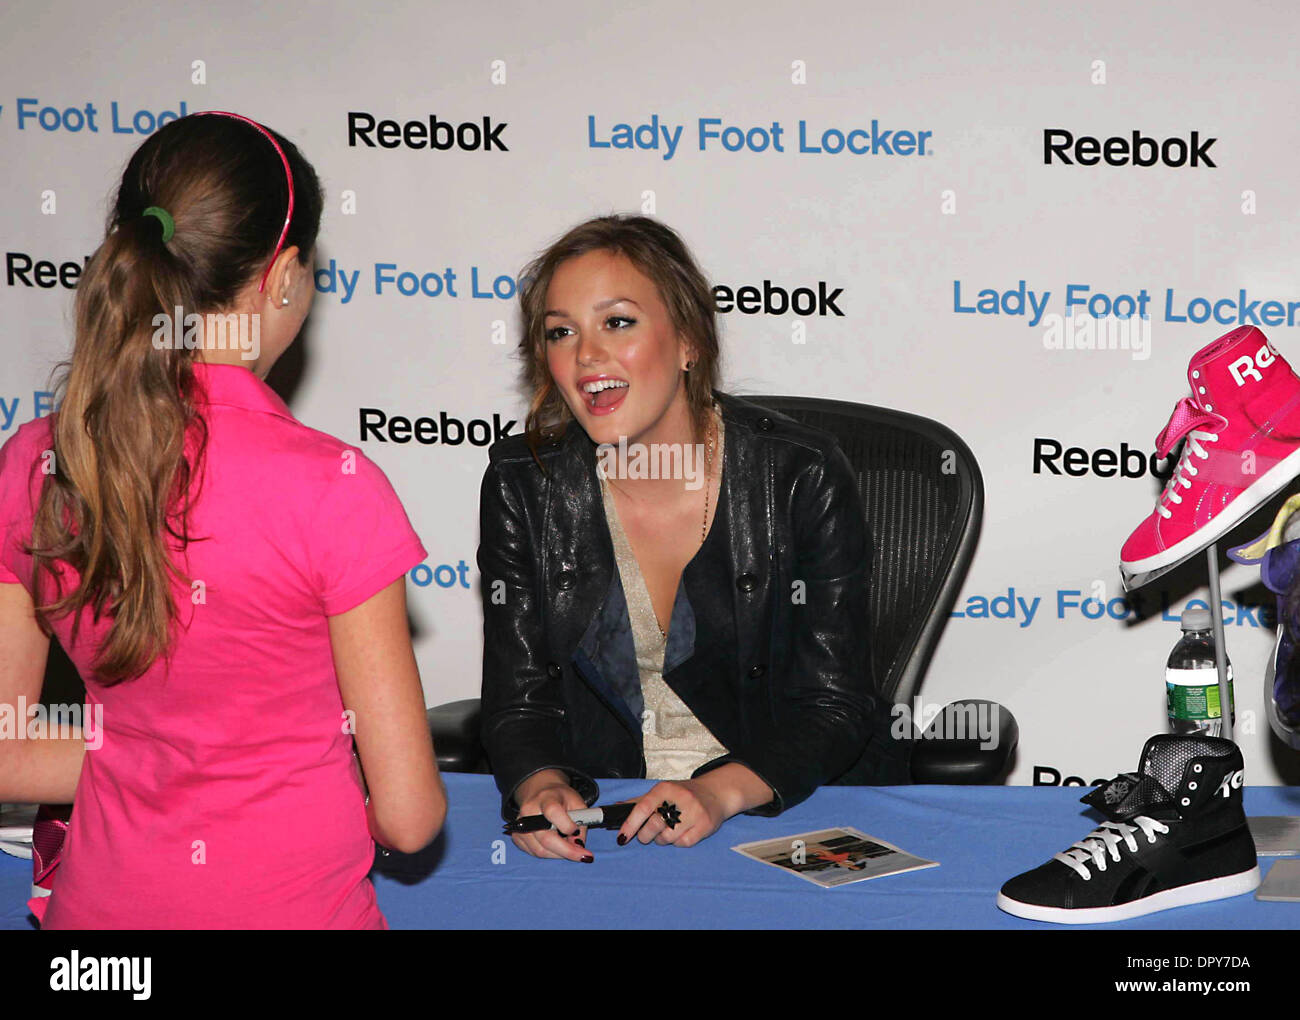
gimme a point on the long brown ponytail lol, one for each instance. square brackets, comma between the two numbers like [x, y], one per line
[128, 440]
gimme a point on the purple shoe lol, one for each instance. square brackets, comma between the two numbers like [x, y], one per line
[1278, 556]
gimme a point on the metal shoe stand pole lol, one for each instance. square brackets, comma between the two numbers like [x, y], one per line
[1220, 651]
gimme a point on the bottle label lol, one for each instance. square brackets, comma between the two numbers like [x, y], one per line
[1193, 694]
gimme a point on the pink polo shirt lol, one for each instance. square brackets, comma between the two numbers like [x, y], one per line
[224, 794]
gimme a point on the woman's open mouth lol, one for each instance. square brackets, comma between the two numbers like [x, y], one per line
[603, 396]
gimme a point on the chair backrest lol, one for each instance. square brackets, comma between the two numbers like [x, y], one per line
[923, 496]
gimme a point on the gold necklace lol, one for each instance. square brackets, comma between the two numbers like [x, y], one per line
[708, 477]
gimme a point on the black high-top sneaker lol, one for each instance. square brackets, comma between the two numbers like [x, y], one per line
[1176, 835]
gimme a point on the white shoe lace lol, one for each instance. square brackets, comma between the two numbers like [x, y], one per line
[1105, 840]
[1185, 469]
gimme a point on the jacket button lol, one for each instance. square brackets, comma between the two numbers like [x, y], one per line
[553, 671]
[764, 424]
[756, 671]
[747, 582]
[565, 580]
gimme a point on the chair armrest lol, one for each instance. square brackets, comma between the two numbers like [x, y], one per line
[454, 728]
[969, 743]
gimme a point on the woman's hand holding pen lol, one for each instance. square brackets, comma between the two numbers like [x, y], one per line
[548, 793]
[670, 814]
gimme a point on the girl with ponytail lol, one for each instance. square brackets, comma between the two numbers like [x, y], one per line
[229, 583]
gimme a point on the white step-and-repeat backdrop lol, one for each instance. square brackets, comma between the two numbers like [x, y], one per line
[938, 176]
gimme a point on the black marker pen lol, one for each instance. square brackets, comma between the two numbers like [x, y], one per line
[611, 817]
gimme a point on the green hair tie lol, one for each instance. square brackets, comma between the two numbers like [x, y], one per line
[165, 218]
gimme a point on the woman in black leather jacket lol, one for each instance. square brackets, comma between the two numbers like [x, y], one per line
[673, 579]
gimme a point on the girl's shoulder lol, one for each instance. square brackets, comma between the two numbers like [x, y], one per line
[30, 434]
[533, 463]
[790, 441]
[519, 448]
[27, 453]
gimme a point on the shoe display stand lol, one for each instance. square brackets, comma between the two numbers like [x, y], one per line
[1211, 551]
[1244, 402]
[1220, 651]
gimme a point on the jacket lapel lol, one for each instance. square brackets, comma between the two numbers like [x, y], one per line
[576, 582]
[581, 587]
[748, 477]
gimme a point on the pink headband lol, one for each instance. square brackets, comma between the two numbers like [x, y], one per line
[288, 175]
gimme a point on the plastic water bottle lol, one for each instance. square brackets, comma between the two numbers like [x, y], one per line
[1192, 679]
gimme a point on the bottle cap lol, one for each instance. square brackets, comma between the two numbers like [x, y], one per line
[1195, 619]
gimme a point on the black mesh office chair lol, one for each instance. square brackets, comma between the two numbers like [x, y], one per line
[923, 497]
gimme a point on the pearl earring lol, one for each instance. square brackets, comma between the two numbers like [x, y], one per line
[284, 301]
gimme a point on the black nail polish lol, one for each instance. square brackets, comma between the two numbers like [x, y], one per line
[622, 840]
[580, 842]
[588, 859]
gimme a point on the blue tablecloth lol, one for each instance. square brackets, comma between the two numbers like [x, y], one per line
[981, 836]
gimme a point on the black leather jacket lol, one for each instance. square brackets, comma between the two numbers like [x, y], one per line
[791, 697]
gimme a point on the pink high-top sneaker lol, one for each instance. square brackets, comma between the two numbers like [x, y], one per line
[1242, 431]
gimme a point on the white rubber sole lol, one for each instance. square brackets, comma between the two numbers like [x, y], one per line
[1251, 499]
[1183, 896]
